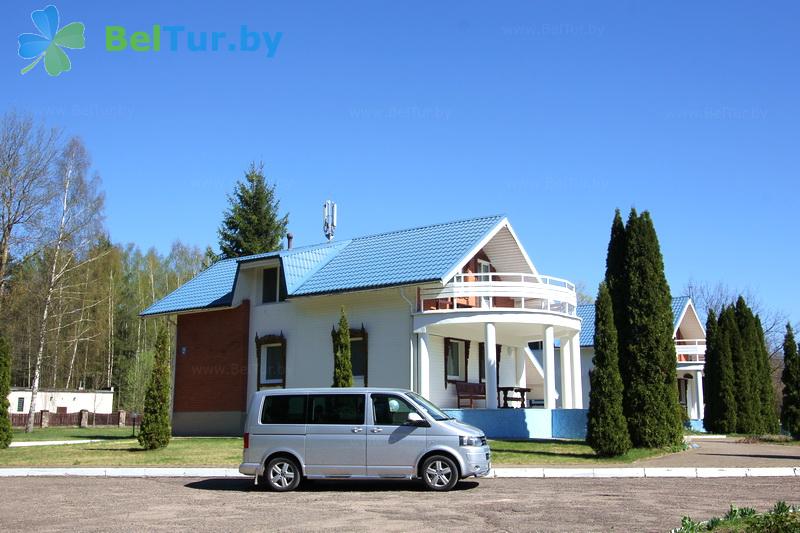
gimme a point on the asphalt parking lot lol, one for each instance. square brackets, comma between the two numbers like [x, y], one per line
[94, 504]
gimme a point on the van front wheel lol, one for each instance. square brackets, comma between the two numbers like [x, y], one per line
[439, 473]
[282, 474]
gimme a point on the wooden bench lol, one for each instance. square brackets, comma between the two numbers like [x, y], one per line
[470, 392]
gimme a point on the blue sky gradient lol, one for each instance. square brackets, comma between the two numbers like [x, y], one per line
[408, 113]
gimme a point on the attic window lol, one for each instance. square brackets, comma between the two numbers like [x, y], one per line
[269, 285]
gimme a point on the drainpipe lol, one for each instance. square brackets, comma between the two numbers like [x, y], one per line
[413, 339]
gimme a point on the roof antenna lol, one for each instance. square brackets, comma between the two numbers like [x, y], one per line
[329, 219]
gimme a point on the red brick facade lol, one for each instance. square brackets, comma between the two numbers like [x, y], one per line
[211, 360]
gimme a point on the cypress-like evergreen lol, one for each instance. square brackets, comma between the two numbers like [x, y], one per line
[251, 224]
[607, 431]
[651, 395]
[5, 389]
[790, 405]
[769, 413]
[711, 375]
[342, 364]
[615, 277]
[155, 431]
[747, 409]
[719, 381]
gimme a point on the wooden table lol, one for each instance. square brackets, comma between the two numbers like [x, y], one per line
[521, 398]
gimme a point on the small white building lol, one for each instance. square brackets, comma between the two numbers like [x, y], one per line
[61, 400]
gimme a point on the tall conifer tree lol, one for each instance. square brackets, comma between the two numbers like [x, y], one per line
[155, 431]
[769, 414]
[251, 225]
[615, 280]
[607, 431]
[719, 382]
[747, 408]
[790, 405]
[651, 395]
[5, 389]
[711, 371]
[342, 363]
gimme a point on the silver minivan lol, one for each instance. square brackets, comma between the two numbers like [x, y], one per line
[357, 433]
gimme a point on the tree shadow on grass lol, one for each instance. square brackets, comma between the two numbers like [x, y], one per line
[247, 485]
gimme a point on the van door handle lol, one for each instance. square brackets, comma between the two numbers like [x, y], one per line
[376, 430]
[358, 430]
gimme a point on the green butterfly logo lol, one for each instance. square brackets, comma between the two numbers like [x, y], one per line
[49, 42]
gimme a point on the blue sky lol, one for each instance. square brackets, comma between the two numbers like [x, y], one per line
[408, 113]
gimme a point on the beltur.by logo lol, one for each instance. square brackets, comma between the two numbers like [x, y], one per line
[49, 43]
[174, 38]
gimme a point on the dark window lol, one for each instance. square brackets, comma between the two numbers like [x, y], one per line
[284, 409]
[336, 409]
[390, 410]
[358, 356]
[20, 405]
[269, 285]
[271, 350]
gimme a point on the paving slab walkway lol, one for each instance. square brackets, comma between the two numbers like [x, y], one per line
[728, 453]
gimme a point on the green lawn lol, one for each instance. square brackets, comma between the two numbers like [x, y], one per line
[182, 451]
[540, 453]
[72, 433]
[120, 450]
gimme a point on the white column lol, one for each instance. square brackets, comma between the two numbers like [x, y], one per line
[577, 372]
[566, 374]
[519, 357]
[424, 367]
[490, 361]
[699, 395]
[549, 360]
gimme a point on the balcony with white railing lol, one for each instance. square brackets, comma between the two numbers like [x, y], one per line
[501, 291]
[691, 350]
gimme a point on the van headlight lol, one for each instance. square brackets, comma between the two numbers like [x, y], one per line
[470, 441]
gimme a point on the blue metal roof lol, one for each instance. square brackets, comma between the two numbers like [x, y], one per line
[209, 289]
[386, 259]
[400, 257]
[586, 312]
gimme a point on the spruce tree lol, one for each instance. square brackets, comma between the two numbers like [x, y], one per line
[5, 389]
[251, 224]
[607, 431]
[790, 405]
[651, 395]
[342, 364]
[155, 430]
[615, 279]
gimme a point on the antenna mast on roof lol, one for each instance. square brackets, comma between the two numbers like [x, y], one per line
[329, 219]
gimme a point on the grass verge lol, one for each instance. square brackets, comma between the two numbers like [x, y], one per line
[781, 518]
[182, 451]
[538, 453]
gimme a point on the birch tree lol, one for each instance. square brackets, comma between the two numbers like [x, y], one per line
[77, 221]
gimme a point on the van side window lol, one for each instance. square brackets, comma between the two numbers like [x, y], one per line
[284, 409]
[336, 409]
[390, 410]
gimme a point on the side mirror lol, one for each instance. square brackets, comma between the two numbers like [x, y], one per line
[415, 420]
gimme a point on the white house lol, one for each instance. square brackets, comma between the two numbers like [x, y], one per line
[430, 309]
[61, 400]
[690, 347]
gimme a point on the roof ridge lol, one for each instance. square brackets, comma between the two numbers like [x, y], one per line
[417, 228]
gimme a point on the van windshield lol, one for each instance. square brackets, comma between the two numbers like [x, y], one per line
[433, 411]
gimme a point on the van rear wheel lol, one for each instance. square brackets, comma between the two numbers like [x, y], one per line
[439, 473]
[282, 474]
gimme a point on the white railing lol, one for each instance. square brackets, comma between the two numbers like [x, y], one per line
[502, 290]
[691, 350]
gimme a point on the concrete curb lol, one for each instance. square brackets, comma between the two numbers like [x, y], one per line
[538, 473]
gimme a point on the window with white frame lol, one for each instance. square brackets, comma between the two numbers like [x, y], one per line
[271, 361]
[455, 355]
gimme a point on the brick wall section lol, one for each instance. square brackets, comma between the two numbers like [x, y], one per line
[211, 360]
